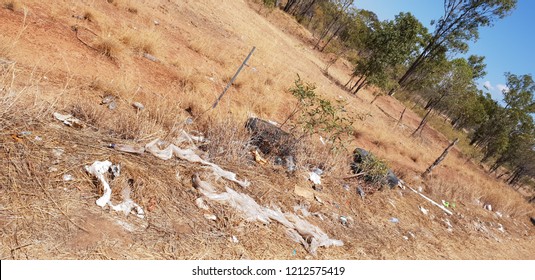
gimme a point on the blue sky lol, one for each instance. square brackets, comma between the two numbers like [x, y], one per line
[507, 46]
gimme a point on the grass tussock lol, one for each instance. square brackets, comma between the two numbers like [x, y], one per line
[109, 47]
[142, 41]
[11, 5]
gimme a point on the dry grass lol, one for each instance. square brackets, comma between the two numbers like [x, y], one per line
[109, 46]
[142, 41]
[11, 5]
[44, 217]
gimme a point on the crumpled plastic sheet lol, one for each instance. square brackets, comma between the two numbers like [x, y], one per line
[191, 156]
[98, 169]
[299, 230]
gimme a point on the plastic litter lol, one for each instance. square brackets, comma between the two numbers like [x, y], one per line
[258, 158]
[235, 239]
[299, 230]
[68, 177]
[201, 203]
[360, 192]
[343, 220]
[115, 170]
[58, 152]
[210, 217]
[303, 209]
[290, 164]
[346, 187]
[394, 220]
[99, 169]
[487, 207]
[24, 134]
[127, 148]
[191, 156]
[69, 120]
[138, 106]
[150, 57]
[425, 211]
[315, 178]
[317, 171]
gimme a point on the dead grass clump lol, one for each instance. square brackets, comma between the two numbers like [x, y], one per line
[11, 5]
[310, 153]
[143, 41]
[109, 47]
[89, 16]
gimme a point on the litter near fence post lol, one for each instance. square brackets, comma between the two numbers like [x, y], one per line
[99, 169]
[427, 198]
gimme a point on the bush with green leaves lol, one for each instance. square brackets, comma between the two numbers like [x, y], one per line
[315, 115]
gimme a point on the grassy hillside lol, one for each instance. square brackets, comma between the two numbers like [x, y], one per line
[175, 58]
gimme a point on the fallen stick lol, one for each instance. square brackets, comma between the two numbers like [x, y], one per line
[428, 199]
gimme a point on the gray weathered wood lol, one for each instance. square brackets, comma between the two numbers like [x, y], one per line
[440, 158]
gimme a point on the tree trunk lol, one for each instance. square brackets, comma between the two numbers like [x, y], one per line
[332, 37]
[401, 117]
[439, 159]
[423, 122]
[362, 84]
[350, 80]
[357, 83]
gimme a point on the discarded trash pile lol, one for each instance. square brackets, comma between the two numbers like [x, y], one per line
[372, 169]
[99, 169]
[270, 139]
[299, 230]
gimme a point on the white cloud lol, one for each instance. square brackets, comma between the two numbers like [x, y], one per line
[502, 88]
[488, 85]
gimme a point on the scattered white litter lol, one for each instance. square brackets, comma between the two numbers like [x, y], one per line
[68, 120]
[235, 239]
[488, 207]
[201, 203]
[191, 156]
[315, 178]
[425, 211]
[98, 169]
[210, 217]
[299, 230]
[68, 177]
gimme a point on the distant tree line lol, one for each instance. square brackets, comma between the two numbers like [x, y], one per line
[433, 68]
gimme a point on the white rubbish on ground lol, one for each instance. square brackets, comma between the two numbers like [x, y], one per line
[488, 207]
[315, 178]
[425, 211]
[127, 148]
[299, 230]
[69, 120]
[68, 177]
[201, 203]
[210, 217]
[191, 156]
[98, 169]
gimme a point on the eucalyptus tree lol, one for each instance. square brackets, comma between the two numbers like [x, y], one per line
[458, 25]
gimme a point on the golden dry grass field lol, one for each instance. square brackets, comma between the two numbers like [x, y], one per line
[175, 58]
